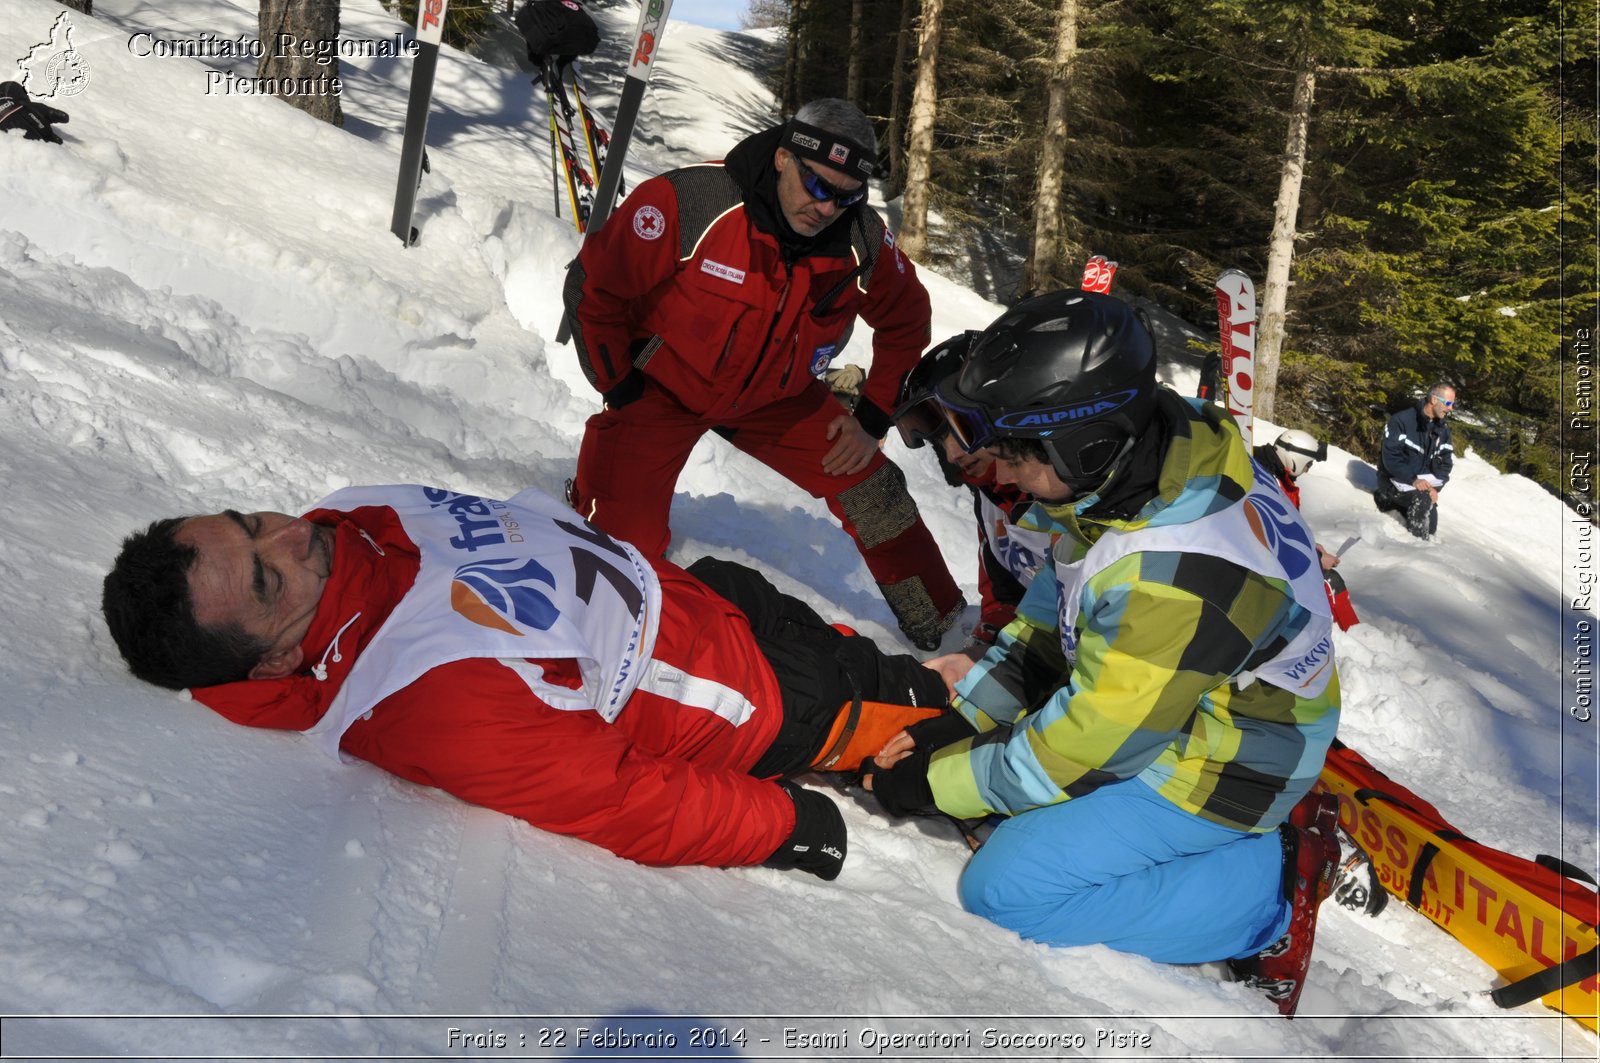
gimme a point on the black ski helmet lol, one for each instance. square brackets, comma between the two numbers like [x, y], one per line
[916, 411]
[1075, 370]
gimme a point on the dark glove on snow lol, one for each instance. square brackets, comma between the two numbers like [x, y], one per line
[818, 843]
[903, 790]
[628, 389]
[34, 119]
[936, 732]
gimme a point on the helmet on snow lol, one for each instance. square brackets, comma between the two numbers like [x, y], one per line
[916, 412]
[1075, 370]
[1298, 450]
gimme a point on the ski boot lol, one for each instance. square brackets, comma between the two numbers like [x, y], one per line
[1310, 854]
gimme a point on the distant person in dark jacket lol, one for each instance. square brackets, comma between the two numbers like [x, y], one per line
[1416, 460]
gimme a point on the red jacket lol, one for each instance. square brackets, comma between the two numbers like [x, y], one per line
[665, 784]
[684, 282]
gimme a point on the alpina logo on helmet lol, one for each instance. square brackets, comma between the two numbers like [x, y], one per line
[494, 593]
[1035, 420]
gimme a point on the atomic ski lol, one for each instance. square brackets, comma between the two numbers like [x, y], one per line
[577, 178]
[413, 157]
[1236, 325]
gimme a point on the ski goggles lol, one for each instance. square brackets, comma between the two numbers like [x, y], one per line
[822, 191]
[921, 421]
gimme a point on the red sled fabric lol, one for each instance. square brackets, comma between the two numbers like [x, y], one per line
[1534, 921]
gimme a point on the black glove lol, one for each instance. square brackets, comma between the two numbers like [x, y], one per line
[818, 843]
[903, 790]
[34, 119]
[628, 389]
[936, 732]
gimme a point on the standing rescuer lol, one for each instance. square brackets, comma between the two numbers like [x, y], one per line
[714, 300]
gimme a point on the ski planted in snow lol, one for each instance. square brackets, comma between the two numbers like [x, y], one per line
[596, 135]
[652, 23]
[1097, 274]
[413, 155]
[647, 38]
[1236, 325]
[576, 177]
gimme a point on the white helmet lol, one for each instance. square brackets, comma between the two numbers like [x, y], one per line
[1297, 450]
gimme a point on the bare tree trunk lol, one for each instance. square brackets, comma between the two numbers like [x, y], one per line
[1280, 251]
[288, 28]
[1049, 246]
[897, 93]
[919, 151]
[791, 63]
[852, 82]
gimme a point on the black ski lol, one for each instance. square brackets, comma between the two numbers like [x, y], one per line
[652, 23]
[430, 31]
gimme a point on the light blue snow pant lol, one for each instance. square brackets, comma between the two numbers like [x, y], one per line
[1125, 867]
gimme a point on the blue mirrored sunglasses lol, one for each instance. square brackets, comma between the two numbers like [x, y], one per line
[1444, 402]
[822, 191]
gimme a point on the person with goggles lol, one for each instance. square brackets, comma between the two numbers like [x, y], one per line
[1152, 722]
[715, 300]
[1008, 555]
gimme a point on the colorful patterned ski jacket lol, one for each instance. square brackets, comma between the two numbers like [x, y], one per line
[1166, 645]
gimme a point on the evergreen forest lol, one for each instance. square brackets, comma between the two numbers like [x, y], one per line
[1411, 184]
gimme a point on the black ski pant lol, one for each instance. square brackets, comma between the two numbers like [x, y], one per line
[819, 668]
[1415, 507]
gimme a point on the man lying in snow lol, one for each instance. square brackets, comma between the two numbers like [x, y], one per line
[517, 657]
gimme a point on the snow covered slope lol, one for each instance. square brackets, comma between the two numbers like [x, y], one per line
[201, 306]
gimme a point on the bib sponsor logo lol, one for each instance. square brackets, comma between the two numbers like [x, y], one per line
[649, 223]
[1064, 625]
[1277, 526]
[717, 269]
[500, 593]
[483, 522]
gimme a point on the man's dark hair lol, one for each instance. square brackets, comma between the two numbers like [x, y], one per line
[147, 606]
[1018, 448]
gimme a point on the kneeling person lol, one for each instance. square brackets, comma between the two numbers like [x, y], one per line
[1166, 694]
[515, 656]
